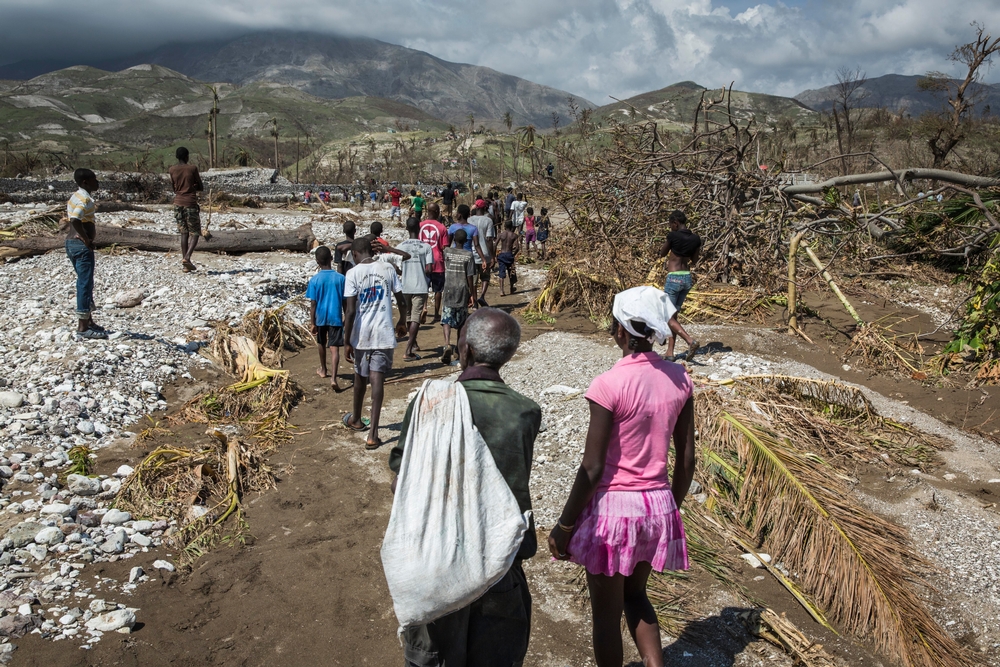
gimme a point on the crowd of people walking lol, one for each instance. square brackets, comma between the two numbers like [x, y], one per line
[621, 519]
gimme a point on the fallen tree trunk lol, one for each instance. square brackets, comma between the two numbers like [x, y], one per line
[901, 174]
[300, 239]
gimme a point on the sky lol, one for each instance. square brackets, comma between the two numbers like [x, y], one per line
[594, 48]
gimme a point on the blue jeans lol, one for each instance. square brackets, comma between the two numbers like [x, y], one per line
[677, 288]
[82, 259]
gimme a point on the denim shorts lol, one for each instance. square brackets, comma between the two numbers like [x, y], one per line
[367, 362]
[677, 287]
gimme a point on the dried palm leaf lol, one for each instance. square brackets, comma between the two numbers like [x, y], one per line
[854, 563]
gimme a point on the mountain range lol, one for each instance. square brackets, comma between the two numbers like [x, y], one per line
[900, 94]
[82, 109]
[334, 67]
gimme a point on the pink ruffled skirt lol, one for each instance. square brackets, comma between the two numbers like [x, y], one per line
[620, 529]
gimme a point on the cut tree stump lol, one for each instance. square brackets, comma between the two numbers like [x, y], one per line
[300, 239]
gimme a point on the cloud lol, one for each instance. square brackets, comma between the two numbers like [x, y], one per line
[594, 48]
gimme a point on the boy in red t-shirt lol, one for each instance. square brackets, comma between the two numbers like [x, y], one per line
[434, 234]
[394, 195]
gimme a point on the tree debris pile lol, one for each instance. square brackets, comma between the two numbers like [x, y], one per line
[778, 455]
[200, 489]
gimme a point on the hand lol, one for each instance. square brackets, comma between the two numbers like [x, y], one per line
[87, 242]
[349, 352]
[314, 330]
[558, 543]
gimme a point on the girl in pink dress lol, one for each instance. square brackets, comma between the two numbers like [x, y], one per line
[622, 519]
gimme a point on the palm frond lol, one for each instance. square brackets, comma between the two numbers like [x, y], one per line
[855, 564]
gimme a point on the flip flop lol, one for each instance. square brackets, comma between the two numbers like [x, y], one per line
[347, 418]
[371, 446]
[415, 357]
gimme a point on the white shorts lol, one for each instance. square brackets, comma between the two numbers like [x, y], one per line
[394, 211]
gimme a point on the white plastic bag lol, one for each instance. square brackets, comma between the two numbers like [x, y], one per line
[455, 526]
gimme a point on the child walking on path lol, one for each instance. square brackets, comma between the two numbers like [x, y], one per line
[529, 231]
[81, 211]
[622, 519]
[544, 225]
[326, 307]
[416, 281]
[459, 286]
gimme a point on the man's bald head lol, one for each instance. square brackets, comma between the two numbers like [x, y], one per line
[433, 211]
[490, 338]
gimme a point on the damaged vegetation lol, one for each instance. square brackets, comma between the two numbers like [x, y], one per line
[778, 455]
[202, 488]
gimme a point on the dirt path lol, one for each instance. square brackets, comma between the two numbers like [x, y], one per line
[308, 588]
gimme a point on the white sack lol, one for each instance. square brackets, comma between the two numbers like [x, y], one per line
[455, 526]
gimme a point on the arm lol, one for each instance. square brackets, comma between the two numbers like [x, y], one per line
[350, 309]
[400, 301]
[695, 256]
[77, 226]
[402, 253]
[312, 317]
[684, 450]
[587, 477]
[198, 185]
[665, 248]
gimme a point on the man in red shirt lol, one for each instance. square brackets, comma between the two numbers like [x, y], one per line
[434, 234]
[394, 195]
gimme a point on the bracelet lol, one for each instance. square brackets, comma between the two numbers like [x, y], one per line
[567, 529]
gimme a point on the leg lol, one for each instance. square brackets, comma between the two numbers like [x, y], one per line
[377, 380]
[192, 244]
[184, 244]
[335, 353]
[607, 600]
[411, 339]
[437, 305]
[360, 385]
[641, 618]
[322, 371]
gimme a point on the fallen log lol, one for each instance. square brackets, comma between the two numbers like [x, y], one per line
[900, 174]
[300, 239]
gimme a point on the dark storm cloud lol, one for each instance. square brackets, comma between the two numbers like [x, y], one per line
[594, 48]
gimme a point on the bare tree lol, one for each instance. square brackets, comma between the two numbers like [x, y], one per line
[947, 129]
[849, 92]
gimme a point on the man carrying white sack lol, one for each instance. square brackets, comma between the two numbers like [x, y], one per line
[493, 630]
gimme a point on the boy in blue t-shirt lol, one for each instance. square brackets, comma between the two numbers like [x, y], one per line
[326, 310]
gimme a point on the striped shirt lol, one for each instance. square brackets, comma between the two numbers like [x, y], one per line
[82, 207]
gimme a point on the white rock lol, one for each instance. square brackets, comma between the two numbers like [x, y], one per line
[61, 509]
[560, 390]
[115, 517]
[994, 481]
[142, 526]
[111, 484]
[24, 609]
[141, 540]
[112, 620]
[98, 606]
[6, 472]
[164, 565]
[754, 561]
[130, 298]
[38, 552]
[34, 398]
[11, 399]
[950, 476]
[49, 536]
[124, 471]
[149, 387]
[85, 427]
[27, 416]
[82, 485]
[68, 619]
[134, 574]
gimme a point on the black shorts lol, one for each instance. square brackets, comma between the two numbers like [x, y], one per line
[437, 282]
[330, 336]
[483, 270]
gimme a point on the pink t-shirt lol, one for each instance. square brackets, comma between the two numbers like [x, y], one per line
[434, 234]
[645, 394]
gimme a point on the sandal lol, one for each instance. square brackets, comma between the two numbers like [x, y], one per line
[412, 357]
[364, 420]
[371, 446]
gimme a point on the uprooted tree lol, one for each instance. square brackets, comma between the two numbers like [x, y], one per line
[748, 212]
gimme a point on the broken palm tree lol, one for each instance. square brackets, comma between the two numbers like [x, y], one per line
[199, 491]
[777, 454]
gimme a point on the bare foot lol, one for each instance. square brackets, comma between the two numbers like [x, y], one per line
[322, 372]
[335, 385]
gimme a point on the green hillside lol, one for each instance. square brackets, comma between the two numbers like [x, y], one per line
[83, 111]
[675, 106]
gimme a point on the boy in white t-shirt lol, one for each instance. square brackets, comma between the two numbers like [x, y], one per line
[368, 326]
